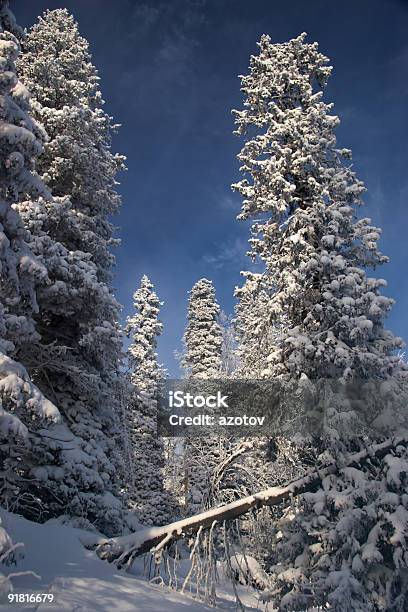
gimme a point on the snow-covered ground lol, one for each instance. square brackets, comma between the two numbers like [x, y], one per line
[81, 582]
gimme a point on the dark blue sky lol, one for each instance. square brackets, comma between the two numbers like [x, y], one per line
[169, 76]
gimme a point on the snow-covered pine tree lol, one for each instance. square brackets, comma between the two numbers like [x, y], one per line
[57, 68]
[146, 495]
[144, 327]
[25, 413]
[313, 247]
[229, 357]
[344, 545]
[77, 362]
[268, 460]
[201, 360]
[254, 332]
[203, 336]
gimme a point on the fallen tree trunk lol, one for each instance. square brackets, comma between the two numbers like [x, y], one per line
[122, 550]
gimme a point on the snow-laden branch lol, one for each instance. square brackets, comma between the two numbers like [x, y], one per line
[122, 550]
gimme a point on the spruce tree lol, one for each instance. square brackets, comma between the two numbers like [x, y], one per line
[57, 68]
[304, 195]
[229, 357]
[201, 360]
[203, 336]
[77, 361]
[147, 495]
[342, 546]
[25, 414]
[254, 332]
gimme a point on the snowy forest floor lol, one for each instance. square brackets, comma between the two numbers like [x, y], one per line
[81, 582]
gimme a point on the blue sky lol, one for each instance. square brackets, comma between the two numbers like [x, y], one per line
[169, 76]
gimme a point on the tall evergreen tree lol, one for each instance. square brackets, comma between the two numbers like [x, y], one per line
[314, 249]
[25, 414]
[144, 327]
[254, 332]
[78, 359]
[201, 360]
[342, 545]
[229, 357]
[57, 68]
[147, 495]
[203, 336]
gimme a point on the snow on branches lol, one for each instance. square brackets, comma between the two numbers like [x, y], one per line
[302, 195]
[123, 550]
[71, 344]
[203, 335]
[146, 493]
[143, 328]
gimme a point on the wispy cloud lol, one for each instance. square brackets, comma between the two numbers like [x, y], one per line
[172, 28]
[163, 39]
[143, 18]
[229, 202]
[233, 253]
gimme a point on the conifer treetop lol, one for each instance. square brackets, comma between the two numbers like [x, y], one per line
[57, 68]
[203, 335]
[63, 55]
[143, 328]
[302, 195]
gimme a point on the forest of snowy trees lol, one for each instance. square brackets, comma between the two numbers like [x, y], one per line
[313, 521]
